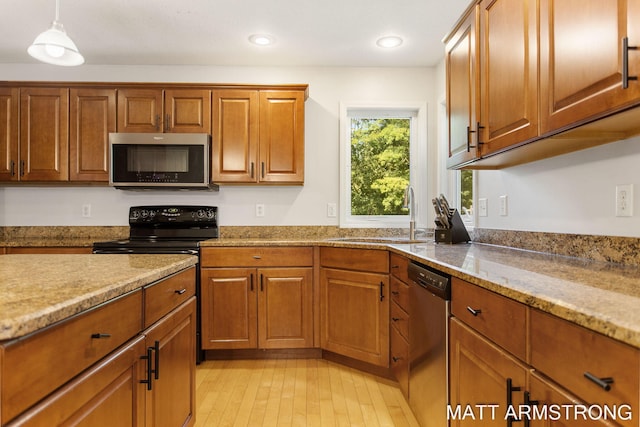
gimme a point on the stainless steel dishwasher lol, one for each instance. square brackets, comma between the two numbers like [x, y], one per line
[430, 300]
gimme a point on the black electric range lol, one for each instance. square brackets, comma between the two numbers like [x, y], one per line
[167, 229]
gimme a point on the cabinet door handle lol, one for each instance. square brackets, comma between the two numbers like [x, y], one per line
[262, 169]
[396, 359]
[261, 283]
[469, 132]
[251, 282]
[251, 167]
[13, 168]
[147, 381]
[395, 319]
[157, 122]
[625, 63]
[478, 128]
[381, 291]
[22, 168]
[167, 121]
[180, 291]
[474, 311]
[156, 370]
[98, 336]
[510, 390]
[605, 382]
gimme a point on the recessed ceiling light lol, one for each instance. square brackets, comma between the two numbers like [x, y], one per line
[261, 39]
[389, 41]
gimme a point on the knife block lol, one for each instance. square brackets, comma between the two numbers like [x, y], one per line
[456, 234]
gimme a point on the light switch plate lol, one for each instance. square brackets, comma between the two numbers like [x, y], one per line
[624, 200]
[503, 206]
[482, 207]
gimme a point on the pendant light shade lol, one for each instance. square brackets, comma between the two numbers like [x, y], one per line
[55, 47]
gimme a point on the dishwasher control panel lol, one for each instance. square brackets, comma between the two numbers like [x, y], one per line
[435, 281]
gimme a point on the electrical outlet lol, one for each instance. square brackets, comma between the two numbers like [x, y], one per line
[332, 210]
[503, 206]
[482, 207]
[86, 211]
[624, 200]
[259, 209]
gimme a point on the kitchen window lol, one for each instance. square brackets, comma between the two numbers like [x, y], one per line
[380, 148]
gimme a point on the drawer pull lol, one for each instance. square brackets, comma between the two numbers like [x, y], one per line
[395, 319]
[474, 311]
[257, 257]
[396, 359]
[98, 336]
[180, 291]
[149, 368]
[510, 390]
[605, 383]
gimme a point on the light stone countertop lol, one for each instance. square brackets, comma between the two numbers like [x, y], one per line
[601, 296]
[39, 290]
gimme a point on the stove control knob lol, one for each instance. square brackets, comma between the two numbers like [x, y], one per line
[201, 213]
[210, 213]
[135, 214]
[144, 213]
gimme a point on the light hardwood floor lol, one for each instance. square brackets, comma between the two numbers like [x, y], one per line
[295, 392]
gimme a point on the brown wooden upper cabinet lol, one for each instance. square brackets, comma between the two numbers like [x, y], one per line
[258, 136]
[492, 79]
[44, 134]
[9, 124]
[506, 90]
[169, 110]
[582, 59]
[463, 90]
[92, 117]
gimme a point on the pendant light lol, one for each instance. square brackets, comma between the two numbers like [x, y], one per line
[55, 47]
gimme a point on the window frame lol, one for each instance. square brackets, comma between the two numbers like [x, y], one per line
[417, 151]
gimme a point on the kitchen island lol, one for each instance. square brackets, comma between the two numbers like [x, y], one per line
[83, 336]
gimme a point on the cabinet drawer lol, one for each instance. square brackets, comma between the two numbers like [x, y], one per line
[399, 267]
[163, 296]
[259, 256]
[498, 318]
[400, 293]
[400, 320]
[566, 352]
[400, 360]
[54, 355]
[369, 260]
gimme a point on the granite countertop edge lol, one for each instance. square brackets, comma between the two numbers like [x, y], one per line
[17, 322]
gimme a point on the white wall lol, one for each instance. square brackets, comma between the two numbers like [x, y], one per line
[299, 205]
[572, 193]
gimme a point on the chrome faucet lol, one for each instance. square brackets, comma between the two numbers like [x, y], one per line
[409, 202]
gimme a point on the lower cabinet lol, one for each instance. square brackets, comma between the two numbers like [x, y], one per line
[101, 368]
[107, 395]
[249, 307]
[355, 304]
[567, 376]
[481, 374]
[170, 369]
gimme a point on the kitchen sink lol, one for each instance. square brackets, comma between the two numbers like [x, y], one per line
[388, 240]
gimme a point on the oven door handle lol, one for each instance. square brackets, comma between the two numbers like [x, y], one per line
[142, 251]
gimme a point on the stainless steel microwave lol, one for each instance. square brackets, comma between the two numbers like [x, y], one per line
[160, 161]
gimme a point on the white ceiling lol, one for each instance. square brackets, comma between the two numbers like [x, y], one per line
[215, 32]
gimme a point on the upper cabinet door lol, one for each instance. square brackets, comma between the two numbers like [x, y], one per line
[92, 117]
[140, 110]
[44, 134]
[509, 74]
[235, 135]
[281, 137]
[187, 111]
[9, 134]
[463, 90]
[581, 59]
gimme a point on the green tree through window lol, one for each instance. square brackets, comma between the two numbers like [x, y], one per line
[379, 165]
